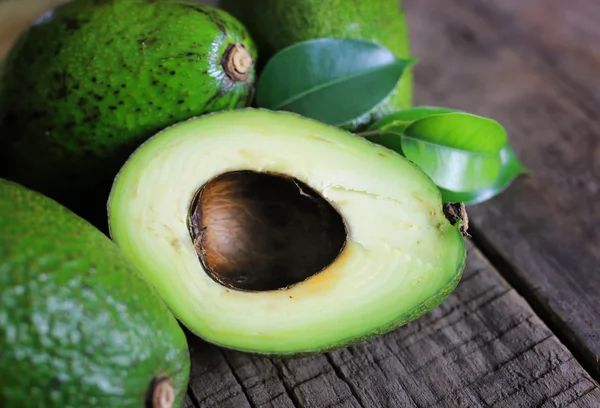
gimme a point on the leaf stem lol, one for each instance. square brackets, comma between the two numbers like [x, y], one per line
[370, 133]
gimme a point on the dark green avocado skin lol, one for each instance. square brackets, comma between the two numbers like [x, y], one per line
[277, 24]
[87, 85]
[79, 327]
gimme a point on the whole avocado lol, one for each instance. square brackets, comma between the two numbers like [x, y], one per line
[79, 327]
[277, 24]
[90, 82]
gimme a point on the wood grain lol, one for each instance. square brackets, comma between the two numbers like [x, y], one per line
[532, 65]
[484, 346]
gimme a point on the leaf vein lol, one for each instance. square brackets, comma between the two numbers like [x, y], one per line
[331, 83]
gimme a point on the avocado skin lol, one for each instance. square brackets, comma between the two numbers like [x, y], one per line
[79, 327]
[81, 90]
[277, 24]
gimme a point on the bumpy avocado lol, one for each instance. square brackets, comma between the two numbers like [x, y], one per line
[79, 326]
[276, 24]
[87, 84]
[276, 234]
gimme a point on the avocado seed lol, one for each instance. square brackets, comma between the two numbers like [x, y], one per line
[260, 231]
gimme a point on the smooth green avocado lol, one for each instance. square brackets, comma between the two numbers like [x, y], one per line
[276, 234]
[277, 24]
[89, 82]
[79, 327]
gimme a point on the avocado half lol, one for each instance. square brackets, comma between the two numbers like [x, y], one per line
[275, 234]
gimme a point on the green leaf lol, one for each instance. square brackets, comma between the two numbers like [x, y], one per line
[459, 151]
[510, 169]
[391, 132]
[407, 116]
[331, 80]
[388, 130]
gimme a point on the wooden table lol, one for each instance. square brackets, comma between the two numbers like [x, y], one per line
[523, 327]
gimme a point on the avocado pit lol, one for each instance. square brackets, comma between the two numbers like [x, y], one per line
[259, 231]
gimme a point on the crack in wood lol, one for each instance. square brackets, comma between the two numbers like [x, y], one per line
[537, 377]
[434, 321]
[274, 398]
[570, 386]
[307, 380]
[584, 356]
[582, 396]
[342, 377]
[215, 392]
[407, 391]
[521, 353]
[289, 391]
[487, 302]
[462, 308]
[490, 341]
[237, 379]
[500, 365]
[193, 398]
[488, 338]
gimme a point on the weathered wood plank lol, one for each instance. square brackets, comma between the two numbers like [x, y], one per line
[213, 383]
[484, 346]
[188, 403]
[533, 65]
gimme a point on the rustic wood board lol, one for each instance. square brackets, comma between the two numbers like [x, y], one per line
[484, 346]
[534, 66]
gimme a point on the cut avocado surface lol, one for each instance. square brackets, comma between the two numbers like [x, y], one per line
[79, 326]
[227, 213]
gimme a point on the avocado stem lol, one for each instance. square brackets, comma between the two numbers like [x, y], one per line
[163, 393]
[370, 133]
[456, 213]
[237, 62]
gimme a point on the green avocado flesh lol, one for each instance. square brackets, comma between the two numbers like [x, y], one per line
[79, 327]
[401, 258]
[277, 24]
[88, 83]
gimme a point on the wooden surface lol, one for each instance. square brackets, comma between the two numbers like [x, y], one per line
[534, 65]
[482, 347]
